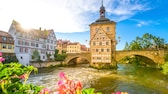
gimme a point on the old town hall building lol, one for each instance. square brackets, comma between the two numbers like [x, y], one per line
[103, 41]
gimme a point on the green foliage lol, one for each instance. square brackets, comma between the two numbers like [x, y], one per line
[135, 60]
[126, 46]
[36, 55]
[9, 59]
[165, 68]
[48, 56]
[90, 91]
[59, 57]
[13, 79]
[147, 41]
[166, 57]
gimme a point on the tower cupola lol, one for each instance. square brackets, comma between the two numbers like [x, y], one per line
[102, 11]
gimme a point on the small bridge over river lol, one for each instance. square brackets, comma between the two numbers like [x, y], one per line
[156, 56]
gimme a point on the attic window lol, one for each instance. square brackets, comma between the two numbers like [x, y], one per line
[107, 29]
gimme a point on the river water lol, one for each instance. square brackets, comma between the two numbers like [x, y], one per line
[127, 78]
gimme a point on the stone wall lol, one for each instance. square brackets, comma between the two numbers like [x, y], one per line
[44, 64]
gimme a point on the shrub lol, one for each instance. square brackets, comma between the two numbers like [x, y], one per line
[13, 77]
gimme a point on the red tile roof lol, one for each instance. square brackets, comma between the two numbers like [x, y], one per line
[3, 33]
[35, 32]
[9, 38]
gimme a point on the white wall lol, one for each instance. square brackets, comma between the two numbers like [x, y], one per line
[23, 58]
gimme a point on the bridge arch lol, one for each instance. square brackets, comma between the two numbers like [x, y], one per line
[156, 56]
[70, 57]
[144, 60]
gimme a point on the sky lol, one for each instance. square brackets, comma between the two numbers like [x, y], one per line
[70, 19]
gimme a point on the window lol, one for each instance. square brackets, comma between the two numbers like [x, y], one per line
[94, 43]
[51, 41]
[9, 46]
[107, 29]
[98, 58]
[4, 46]
[27, 43]
[102, 50]
[21, 49]
[97, 50]
[108, 50]
[43, 46]
[10, 39]
[36, 45]
[32, 44]
[107, 43]
[100, 43]
[26, 50]
[4, 38]
[19, 42]
[47, 46]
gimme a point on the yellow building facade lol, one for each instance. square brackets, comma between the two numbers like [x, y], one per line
[103, 41]
[6, 44]
[74, 48]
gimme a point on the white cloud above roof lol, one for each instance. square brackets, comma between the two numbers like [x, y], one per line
[64, 15]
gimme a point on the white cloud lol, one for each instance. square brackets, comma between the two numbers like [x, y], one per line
[141, 23]
[64, 15]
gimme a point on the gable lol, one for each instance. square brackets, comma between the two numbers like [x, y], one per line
[100, 35]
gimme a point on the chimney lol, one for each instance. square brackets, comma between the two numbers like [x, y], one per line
[40, 28]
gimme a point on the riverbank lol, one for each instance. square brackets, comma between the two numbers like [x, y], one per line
[45, 64]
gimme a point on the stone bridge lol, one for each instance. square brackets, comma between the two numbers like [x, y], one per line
[85, 55]
[156, 56]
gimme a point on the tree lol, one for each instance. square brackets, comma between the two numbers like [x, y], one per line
[36, 55]
[126, 46]
[147, 41]
[60, 57]
[48, 56]
[9, 59]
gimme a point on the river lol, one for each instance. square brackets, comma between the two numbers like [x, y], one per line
[127, 78]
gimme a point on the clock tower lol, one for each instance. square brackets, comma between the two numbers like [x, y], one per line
[103, 41]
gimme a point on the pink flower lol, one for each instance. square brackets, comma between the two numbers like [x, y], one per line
[78, 86]
[61, 82]
[0, 53]
[56, 92]
[62, 75]
[45, 91]
[1, 59]
[118, 92]
[23, 76]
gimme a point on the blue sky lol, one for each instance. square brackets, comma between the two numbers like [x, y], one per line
[70, 19]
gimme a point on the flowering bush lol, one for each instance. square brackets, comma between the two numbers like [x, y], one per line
[13, 79]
